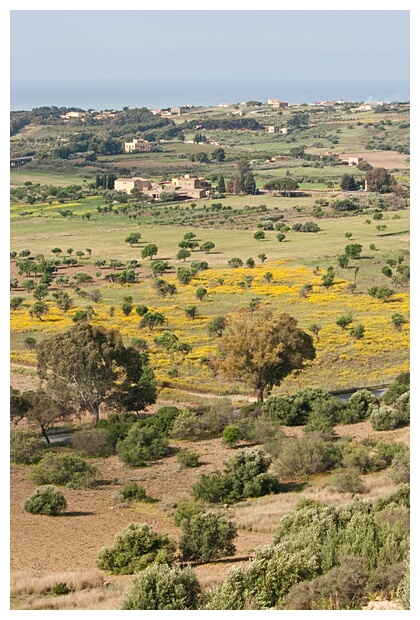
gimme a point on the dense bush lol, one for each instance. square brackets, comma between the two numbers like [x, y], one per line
[294, 410]
[206, 536]
[397, 387]
[401, 497]
[274, 570]
[386, 579]
[118, 424]
[64, 469]
[163, 587]
[142, 444]
[217, 416]
[187, 458]
[137, 546]
[231, 435]
[186, 426]
[231, 594]
[245, 475]
[369, 458]
[300, 457]
[163, 420]
[46, 501]
[388, 417]
[333, 554]
[348, 480]
[359, 407]
[93, 442]
[400, 468]
[343, 587]
[403, 591]
[132, 491]
[25, 447]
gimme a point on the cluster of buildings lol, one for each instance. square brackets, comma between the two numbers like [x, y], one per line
[187, 186]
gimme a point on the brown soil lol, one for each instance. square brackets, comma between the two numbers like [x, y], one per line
[93, 517]
[381, 159]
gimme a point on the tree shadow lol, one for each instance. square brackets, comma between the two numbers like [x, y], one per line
[77, 513]
[292, 487]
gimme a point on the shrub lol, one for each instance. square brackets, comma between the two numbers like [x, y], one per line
[370, 457]
[305, 456]
[385, 580]
[134, 548]
[343, 587]
[358, 331]
[25, 447]
[214, 488]
[402, 405]
[186, 426]
[359, 406]
[59, 589]
[206, 536]
[403, 591]
[401, 497]
[142, 444]
[294, 410]
[245, 475]
[396, 388]
[132, 491]
[46, 501]
[163, 587]
[64, 469]
[117, 424]
[186, 510]
[274, 570]
[93, 442]
[231, 594]
[187, 458]
[217, 416]
[386, 418]
[163, 420]
[231, 435]
[400, 468]
[348, 480]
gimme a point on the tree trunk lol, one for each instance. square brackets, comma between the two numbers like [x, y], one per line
[260, 395]
[44, 432]
[95, 413]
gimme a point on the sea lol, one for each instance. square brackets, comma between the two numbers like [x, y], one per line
[116, 94]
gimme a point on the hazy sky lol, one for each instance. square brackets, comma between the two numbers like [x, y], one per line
[320, 44]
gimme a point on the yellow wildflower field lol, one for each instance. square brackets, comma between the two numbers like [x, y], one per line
[342, 360]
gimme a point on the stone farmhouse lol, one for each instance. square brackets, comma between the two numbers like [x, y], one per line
[275, 103]
[137, 145]
[188, 186]
[127, 185]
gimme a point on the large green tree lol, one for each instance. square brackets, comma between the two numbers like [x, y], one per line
[92, 366]
[379, 180]
[261, 350]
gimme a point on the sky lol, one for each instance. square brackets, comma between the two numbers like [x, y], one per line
[302, 44]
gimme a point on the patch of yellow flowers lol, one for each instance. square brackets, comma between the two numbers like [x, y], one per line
[342, 359]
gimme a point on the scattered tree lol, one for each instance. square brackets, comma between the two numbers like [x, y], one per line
[90, 366]
[261, 350]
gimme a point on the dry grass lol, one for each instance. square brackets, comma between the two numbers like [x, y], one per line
[30, 582]
[88, 590]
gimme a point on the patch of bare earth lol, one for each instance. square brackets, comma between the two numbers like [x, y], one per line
[46, 548]
[381, 159]
[42, 545]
